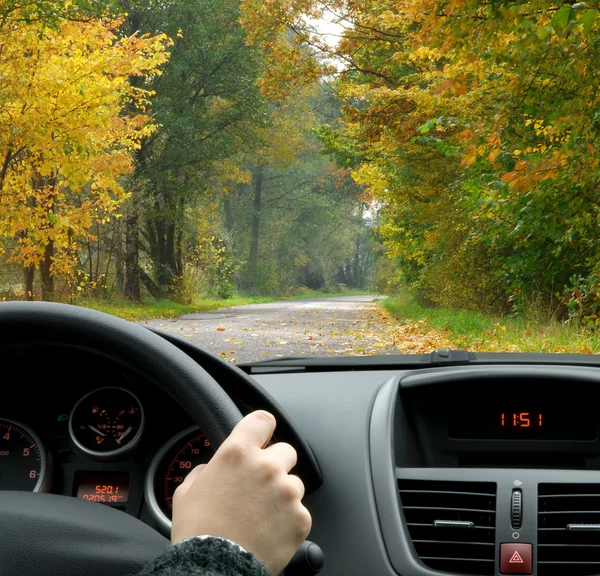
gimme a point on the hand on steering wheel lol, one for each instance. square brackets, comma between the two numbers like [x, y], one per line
[246, 494]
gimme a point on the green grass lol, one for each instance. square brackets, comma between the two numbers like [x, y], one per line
[170, 309]
[318, 294]
[164, 308]
[488, 333]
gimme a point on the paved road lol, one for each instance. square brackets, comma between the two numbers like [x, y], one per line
[316, 327]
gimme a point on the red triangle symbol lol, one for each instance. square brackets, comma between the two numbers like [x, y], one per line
[516, 559]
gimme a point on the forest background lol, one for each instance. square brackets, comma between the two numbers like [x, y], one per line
[182, 151]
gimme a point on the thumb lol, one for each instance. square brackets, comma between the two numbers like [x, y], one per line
[256, 429]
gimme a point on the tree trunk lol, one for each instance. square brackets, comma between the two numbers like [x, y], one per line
[46, 275]
[165, 237]
[131, 288]
[149, 284]
[119, 260]
[28, 276]
[255, 232]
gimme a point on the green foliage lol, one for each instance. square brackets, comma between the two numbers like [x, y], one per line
[582, 298]
[206, 105]
[215, 259]
[477, 331]
[474, 126]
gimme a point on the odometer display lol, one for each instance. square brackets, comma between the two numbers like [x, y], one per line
[105, 487]
[170, 467]
[22, 458]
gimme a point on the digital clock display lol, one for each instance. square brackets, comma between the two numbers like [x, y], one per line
[521, 420]
[105, 487]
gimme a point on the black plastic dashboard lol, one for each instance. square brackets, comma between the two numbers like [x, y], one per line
[404, 493]
[410, 471]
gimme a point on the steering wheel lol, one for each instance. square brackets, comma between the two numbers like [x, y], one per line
[51, 534]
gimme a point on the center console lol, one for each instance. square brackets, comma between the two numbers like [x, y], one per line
[489, 470]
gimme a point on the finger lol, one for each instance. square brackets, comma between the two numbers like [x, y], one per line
[298, 485]
[187, 482]
[283, 454]
[194, 473]
[256, 429]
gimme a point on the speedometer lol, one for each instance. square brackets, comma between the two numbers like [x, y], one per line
[23, 460]
[169, 468]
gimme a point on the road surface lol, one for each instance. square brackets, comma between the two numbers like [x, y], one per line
[312, 327]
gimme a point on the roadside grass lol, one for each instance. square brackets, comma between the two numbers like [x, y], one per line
[171, 309]
[480, 332]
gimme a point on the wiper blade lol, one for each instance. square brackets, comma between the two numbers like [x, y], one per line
[437, 358]
[443, 357]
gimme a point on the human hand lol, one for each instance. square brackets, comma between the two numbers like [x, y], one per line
[246, 494]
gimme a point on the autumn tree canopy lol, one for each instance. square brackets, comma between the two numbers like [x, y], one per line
[475, 125]
[71, 118]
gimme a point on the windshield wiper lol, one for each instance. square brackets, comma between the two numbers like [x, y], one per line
[442, 357]
[437, 358]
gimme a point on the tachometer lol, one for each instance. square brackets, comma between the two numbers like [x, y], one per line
[106, 422]
[23, 460]
[169, 468]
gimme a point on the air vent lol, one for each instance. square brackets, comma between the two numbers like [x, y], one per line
[568, 529]
[452, 524]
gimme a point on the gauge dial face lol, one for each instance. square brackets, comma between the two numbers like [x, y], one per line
[168, 470]
[106, 422]
[23, 461]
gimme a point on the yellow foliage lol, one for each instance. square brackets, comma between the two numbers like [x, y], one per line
[70, 120]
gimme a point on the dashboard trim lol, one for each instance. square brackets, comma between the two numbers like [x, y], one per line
[398, 544]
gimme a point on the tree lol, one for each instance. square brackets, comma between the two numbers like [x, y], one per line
[484, 112]
[206, 104]
[71, 120]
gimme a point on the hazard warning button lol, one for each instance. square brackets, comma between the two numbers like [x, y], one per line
[516, 558]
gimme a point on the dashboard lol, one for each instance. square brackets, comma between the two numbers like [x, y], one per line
[485, 469]
[78, 425]
[482, 470]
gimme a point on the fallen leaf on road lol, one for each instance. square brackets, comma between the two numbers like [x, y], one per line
[220, 329]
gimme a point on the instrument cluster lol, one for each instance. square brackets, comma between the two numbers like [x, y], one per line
[110, 439]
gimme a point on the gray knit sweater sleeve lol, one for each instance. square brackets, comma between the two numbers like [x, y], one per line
[205, 557]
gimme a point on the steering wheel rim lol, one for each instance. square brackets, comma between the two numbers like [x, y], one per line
[131, 541]
[131, 345]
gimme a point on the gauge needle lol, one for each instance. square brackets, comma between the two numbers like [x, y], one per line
[123, 435]
[96, 430]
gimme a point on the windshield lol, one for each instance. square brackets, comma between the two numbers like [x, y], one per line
[284, 178]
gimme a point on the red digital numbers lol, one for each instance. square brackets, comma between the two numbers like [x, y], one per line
[521, 420]
[111, 487]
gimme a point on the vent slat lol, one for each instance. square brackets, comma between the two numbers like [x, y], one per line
[569, 545]
[572, 496]
[464, 550]
[409, 524]
[568, 562]
[570, 512]
[562, 551]
[448, 559]
[457, 542]
[486, 511]
[448, 493]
